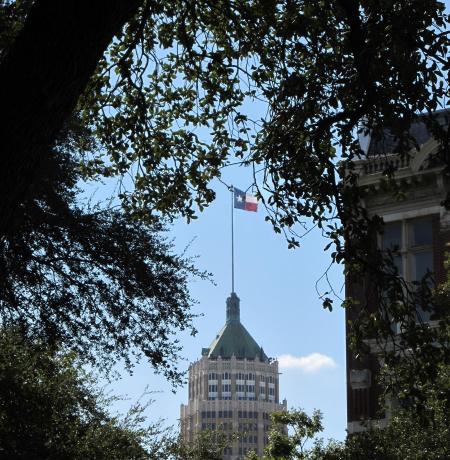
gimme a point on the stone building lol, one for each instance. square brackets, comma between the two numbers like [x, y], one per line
[418, 225]
[233, 387]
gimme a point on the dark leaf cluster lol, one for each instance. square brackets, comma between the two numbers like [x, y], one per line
[91, 278]
[52, 409]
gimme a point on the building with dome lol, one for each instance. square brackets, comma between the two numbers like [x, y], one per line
[233, 387]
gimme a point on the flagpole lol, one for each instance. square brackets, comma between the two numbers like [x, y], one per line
[232, 238]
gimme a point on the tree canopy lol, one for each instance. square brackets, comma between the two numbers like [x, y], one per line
[404, 438]
[165, 91]
[91, 278]
[169, 104]
[322, 71]
[51, 408]
[179, 69]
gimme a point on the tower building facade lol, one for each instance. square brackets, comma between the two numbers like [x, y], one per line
[233, 387]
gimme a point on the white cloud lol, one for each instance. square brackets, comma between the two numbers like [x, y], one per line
[312, 363]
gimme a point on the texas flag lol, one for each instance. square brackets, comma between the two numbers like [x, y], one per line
[245, 201]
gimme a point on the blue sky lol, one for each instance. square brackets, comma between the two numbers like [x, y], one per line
[279, 306]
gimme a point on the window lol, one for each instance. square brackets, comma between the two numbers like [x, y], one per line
[226, 391]
[250, 388]
[212, 392]
[410, 243]
[240, 389]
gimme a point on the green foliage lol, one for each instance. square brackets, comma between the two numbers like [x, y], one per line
[12, 14]
[418, 358]
[303, 428]
[50, 408]
[86, 276]
[404, 438]
[169, 100]
[93, 279]
[170, 105]
[208, 445]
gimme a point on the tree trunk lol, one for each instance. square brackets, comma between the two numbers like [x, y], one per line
[46, 70]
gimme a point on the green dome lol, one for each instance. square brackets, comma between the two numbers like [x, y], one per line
[233, 338]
